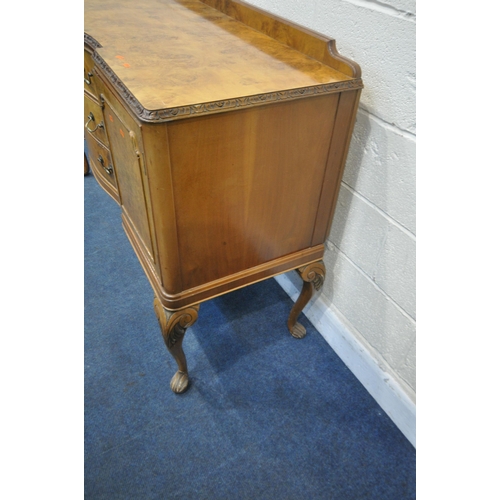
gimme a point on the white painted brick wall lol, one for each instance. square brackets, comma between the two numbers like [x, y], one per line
[370, 255]
[385, 327]
[380, 39]
[381, 168]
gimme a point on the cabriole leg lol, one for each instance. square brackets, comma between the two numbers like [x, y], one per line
[173, 326]
[313, 276]
[86, 168]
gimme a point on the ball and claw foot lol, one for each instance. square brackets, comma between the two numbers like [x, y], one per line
[313, 276]
[179, 382]
[86, 168]
[298, 331]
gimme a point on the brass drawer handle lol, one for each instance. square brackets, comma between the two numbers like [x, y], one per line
[91, 118]
[90, 75]
[109, 169]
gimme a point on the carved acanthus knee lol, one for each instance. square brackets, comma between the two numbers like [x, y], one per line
[313, 273]
[173, 326]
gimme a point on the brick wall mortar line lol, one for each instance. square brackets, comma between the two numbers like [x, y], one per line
[385, 294]
[381, 212]
[385, 8]
[380, 359]
[389, 126]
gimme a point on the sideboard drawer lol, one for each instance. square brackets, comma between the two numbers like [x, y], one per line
[94, 121]
[88, 74]
[101, 163]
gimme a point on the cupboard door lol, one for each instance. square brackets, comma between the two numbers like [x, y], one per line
[131, 177]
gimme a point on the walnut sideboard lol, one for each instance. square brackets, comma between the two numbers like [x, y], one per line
[222, 132]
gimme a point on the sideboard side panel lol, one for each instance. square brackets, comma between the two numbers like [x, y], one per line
[339, 147]
[247, 184]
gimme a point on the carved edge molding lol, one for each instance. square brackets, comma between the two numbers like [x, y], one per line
[91, 42]
[170, 114]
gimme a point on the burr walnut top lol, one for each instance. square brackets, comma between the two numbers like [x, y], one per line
[174, 53]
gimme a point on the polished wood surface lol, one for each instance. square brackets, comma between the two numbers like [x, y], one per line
[305, 41]
[222, 132]
[243, 206]
[205, 54]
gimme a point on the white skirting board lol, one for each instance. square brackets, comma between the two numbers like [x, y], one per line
[380, 384]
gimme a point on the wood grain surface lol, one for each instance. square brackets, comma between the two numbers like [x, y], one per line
[232, 175]
[174, 53]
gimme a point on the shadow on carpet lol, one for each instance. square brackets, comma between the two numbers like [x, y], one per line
[266, 416]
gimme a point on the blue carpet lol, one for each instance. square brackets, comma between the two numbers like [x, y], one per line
[266, 416]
